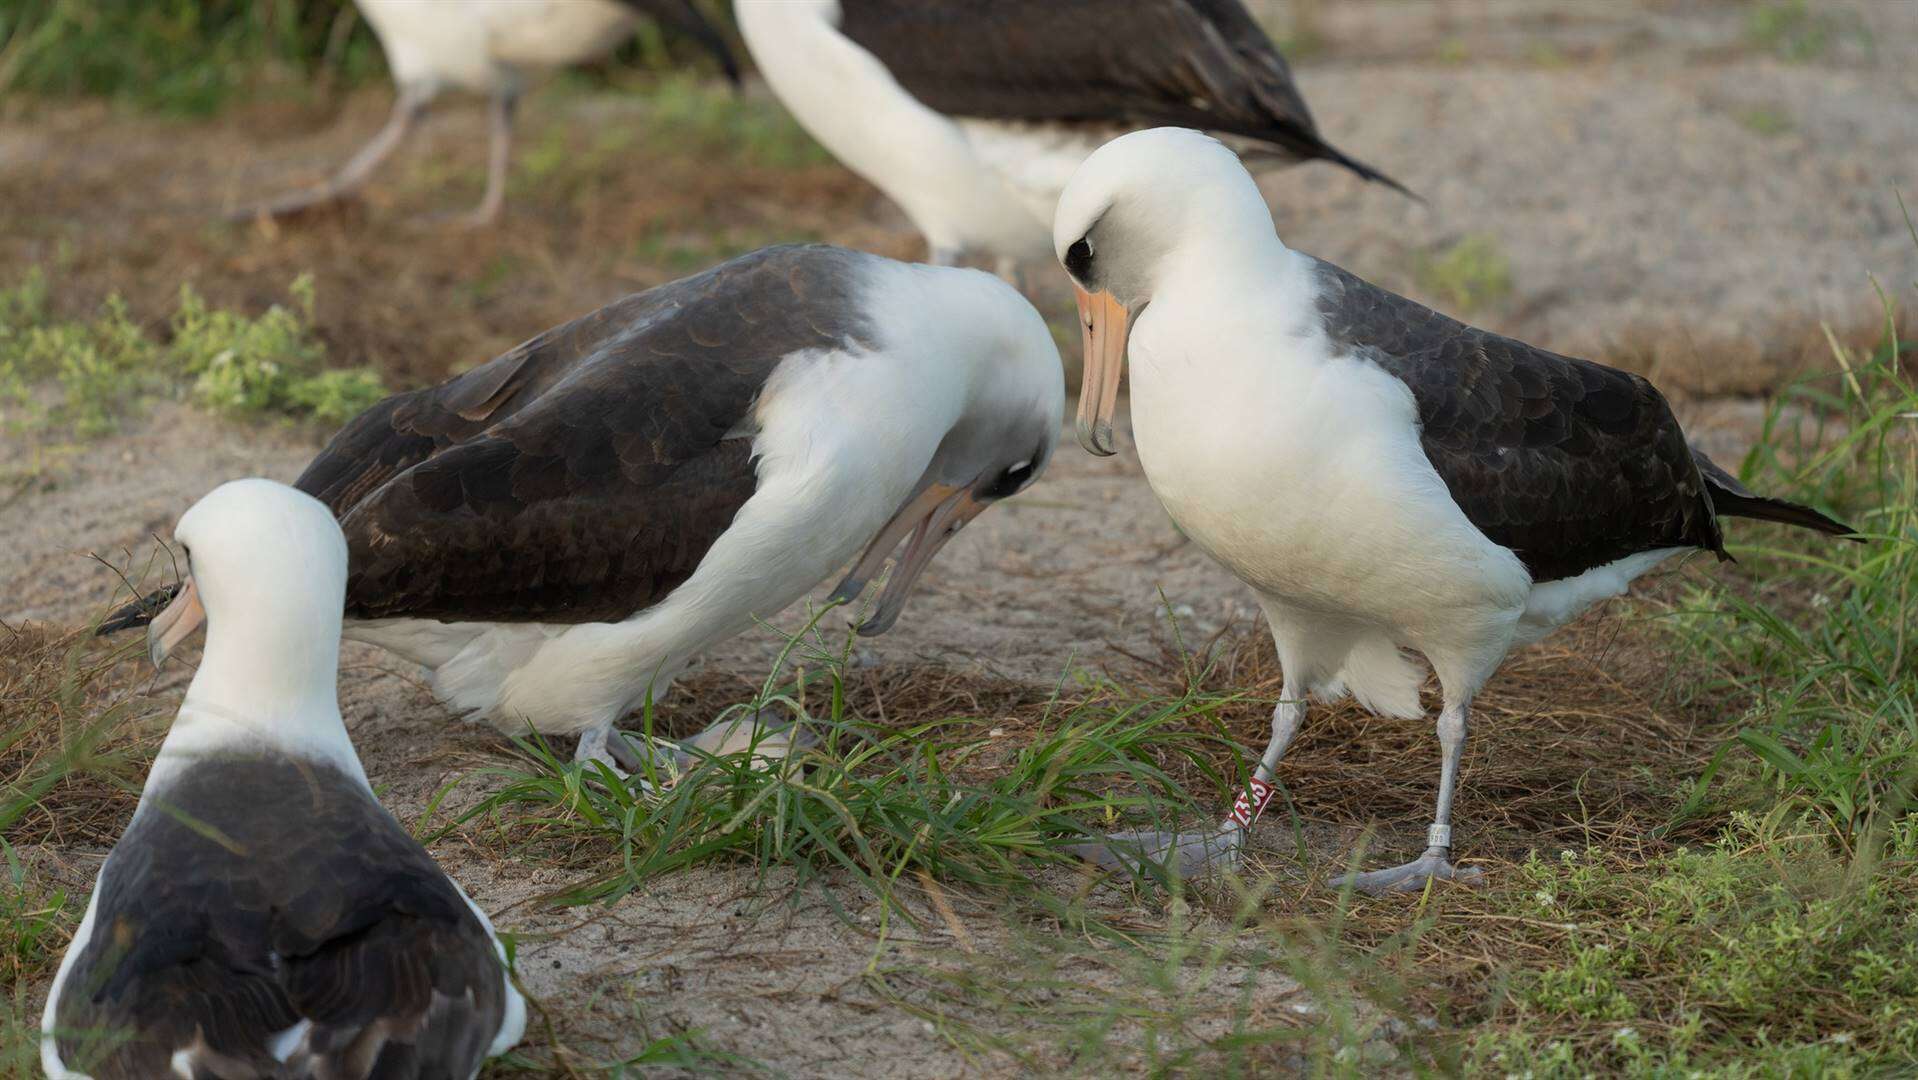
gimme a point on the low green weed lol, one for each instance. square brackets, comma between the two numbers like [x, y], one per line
[1468, 275]
[86, 375]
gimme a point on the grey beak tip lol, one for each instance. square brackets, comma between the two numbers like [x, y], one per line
[872, 628]
[1098, 440]
[847, 592]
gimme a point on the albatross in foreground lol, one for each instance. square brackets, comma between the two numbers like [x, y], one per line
[263, 915]
[971, 116]
[562, 530]
[486, 47]
[1382, 476]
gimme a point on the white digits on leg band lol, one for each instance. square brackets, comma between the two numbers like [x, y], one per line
[1250, 804]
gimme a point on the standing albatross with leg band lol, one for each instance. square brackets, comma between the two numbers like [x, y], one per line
[1383, 477]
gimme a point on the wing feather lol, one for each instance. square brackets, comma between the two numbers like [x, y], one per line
[582, 476]
[209, 943]
[1135, 63]
[1568, 463]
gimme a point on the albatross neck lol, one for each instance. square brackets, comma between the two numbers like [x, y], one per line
[267, 681]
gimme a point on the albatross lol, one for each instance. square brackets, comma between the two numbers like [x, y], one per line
[560, 532]
[972, 116]
[486, 47]
[1384, 478]
[263, 915]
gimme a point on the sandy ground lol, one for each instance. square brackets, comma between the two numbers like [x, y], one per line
[1600, 146]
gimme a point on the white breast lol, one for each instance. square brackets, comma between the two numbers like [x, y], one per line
[1301, 471]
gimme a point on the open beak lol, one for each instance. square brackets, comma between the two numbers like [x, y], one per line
[171, 626]
[1105, 321]
[932, 517]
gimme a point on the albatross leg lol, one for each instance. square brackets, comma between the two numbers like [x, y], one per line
[943, 256]
[498, 156]
[407, 110]
[1436, 863]
[631, 754]
[1196, 852]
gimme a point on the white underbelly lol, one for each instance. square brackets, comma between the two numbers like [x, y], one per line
[1317, 494]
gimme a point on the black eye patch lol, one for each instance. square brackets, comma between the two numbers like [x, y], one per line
[1079, 258]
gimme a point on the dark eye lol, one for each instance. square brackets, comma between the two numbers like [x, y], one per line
[1010, 481]
[1079, 258]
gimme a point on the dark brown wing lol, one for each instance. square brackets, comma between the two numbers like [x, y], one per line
[582, 476]
[1569, 463]
[258, 894]
[1138, 63]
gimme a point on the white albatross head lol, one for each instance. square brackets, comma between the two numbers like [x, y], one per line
[998, 443]
[1140, 204]
[266, 571]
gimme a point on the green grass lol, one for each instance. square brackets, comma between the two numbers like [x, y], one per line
[85, 376]
[721, 123]
[875, 800]
[179, 57]
[1791, 29]
[1467, 275]
[1787, 944]
[1766, 121]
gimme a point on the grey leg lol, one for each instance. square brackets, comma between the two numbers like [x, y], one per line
[944, 256]
[1436, 863]
[407, 110]
[1189, 854]
[600, 744]
[498, 156]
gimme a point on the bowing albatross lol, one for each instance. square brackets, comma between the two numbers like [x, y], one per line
[263, 915]
[1382, 476]
[972, 115]
[558, 531]
[486, 47]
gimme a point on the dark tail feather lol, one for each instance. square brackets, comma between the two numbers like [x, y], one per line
[1733, 499]
[1333, 154]
[140, 612]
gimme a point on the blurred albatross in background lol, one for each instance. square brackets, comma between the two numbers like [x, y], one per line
[972, 116]
[486, 47]
[1382, 476]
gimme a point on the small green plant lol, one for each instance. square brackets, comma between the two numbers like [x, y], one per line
[99, 369]
[751, 130]
[93, 367]
[1467, 275]
[1766, 121]
[1821, 661]
[1791, 30]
